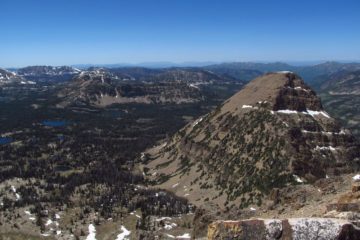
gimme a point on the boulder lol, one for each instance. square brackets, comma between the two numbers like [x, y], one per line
[285, 229]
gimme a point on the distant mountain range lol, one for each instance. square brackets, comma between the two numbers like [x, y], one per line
[312, 73]
[341, 96]
[103, 87]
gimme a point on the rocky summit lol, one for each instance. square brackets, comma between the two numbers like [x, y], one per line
[273, 133]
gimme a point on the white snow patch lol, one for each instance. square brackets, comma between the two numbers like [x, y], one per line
[356, 178]
[287, 111]
[247, 106]
[313, 113]
[184, 236]
[138, 216]
[163, 218]
[298, 179]
[308, 112]
[175, 185]
[170, 226]
[16, 194]
[48, 222]
[57, 216]
[27, 212]
[170, 236]
[92, 233]
[32, 218]
[252, 209]
[302, 89]
[193, 86]
[124, 234]
[284, 72]
[325, 148]
[58, 232]
[197, 122]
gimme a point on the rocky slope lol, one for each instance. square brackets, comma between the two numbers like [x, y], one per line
[272, 133]
[341, 96]
[7, 77]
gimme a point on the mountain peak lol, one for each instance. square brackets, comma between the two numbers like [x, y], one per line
[272, 133]
[280, 90]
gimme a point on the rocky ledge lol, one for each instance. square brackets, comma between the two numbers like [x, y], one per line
[285, 229]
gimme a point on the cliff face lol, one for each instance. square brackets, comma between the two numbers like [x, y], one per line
[272, 133]
[285, 229]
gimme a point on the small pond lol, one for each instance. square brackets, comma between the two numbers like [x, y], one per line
[5, 140]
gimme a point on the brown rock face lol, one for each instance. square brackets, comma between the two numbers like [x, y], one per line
[287, 229]
[296, 95]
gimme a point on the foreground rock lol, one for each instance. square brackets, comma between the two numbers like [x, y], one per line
[289, 229]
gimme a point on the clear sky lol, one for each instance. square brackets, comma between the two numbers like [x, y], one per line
[59, 32]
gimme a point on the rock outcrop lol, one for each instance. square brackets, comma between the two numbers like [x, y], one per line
[285, 229]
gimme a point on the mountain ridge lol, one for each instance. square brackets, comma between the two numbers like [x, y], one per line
[272, 133]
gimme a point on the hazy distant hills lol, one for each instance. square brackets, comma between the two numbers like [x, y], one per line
[312, 74]
[341, 96]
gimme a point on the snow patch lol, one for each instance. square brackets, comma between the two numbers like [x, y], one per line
[325, 148]
[92, 233]
[297, 179]
[314, 113]
[48, 222]
[287, 111]
[163, 218]
[184, 236]
[175, 185]
[197, 122]
[284, 72]
[247, 106]
[16, 194]
[170, 226]
[124, 234]
[193, 86]
[308, 112]
[356, 178]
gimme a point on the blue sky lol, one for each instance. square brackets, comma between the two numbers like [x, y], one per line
[58, 32]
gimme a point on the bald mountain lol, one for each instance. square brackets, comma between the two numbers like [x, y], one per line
[272, 133]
